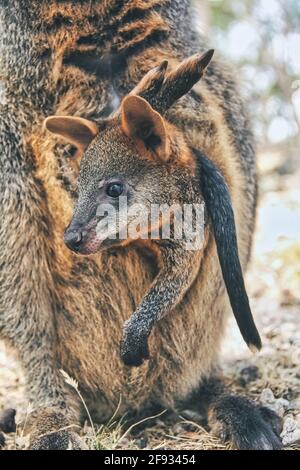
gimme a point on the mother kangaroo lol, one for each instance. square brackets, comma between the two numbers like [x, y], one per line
[62, 311]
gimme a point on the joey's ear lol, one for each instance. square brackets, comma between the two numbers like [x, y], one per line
[144, 125]
[161, 89]
[75, 130]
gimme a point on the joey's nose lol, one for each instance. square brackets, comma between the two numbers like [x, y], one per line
[73, 238]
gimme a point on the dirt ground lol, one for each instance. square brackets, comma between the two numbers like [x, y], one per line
[271, 377]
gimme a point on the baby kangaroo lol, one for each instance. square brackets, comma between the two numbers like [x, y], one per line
[139, 155]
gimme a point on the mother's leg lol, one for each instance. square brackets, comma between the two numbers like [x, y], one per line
[27, 293]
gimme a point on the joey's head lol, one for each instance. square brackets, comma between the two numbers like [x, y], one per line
[128, 160]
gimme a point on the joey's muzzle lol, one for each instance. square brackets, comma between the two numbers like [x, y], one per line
[73, 237]
[83, 238]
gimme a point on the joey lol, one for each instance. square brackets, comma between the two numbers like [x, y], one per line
[138, 155]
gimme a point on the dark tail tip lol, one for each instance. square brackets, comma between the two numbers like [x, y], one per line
[218, 203]
[256, 345]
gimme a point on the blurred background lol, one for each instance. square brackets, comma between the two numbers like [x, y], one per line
[262, 38]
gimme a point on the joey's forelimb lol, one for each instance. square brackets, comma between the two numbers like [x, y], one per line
[177, 274]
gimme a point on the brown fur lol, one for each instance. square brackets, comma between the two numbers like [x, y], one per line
[58, 310]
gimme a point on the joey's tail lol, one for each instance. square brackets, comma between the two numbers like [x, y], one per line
[218, 203]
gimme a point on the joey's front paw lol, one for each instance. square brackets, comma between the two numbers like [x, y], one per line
[134, 345]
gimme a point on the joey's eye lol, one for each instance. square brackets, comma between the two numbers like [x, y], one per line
[114, 189]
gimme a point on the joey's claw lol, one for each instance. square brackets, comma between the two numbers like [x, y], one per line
[134, 345]
[134, 358]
